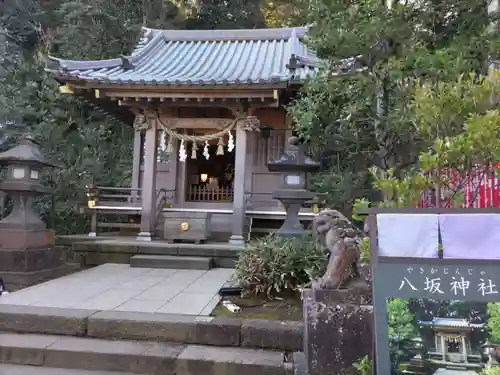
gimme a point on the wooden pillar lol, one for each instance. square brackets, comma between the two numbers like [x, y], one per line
[464, 348]
[136, 164]
[443, 345]
[239, 200]
[148, 214]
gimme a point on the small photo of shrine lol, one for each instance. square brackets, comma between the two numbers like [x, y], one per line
[209, 112]
[441, 344]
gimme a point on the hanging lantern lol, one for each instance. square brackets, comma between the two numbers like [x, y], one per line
[206, 152]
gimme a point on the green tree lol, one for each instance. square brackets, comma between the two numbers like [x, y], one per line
[289, 13]
[459, 124]
[224, 14]
[99, 29]
[366, 118]
[494, 320]
[85, 141]
[402, 328]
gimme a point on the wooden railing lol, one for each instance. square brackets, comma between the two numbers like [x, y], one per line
[454, 357]
[207, 194]
[119, 207]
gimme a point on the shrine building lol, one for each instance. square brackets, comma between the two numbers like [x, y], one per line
[208, 110]
[452, 343]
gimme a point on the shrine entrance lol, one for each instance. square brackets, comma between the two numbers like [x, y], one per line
[212, 179]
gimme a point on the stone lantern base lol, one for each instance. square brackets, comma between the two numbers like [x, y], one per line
[28, 257]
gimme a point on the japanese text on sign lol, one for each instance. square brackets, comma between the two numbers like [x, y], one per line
[459, 282]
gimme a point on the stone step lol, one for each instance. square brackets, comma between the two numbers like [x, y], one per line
[183, 329]
[139, 357]
[171, 261]
[6, 369]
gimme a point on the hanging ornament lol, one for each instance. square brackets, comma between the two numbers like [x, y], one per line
[163, 141]
[220, 147]
[182, 152]
[230, 142]
[194, 150]
[170, 145]
[206, 153]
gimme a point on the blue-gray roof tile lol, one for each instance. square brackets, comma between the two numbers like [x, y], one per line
[207, 57]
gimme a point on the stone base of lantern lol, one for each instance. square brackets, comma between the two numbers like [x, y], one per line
[28, 257]
[338, 330]
[22, 239]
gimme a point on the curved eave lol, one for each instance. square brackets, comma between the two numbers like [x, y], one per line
[155, 85]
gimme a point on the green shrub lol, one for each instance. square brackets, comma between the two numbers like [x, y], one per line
[492, 371]
[273, 264]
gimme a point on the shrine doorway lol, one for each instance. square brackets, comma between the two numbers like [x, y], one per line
[210, 180]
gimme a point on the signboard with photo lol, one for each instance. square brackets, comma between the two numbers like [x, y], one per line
[436, 287]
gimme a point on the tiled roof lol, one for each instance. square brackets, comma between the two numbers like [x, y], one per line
[450, 322]
[208, 57]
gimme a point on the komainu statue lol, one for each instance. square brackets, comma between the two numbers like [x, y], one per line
[343, 240]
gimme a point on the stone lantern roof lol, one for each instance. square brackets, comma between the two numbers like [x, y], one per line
[27, 151]
[294, 159]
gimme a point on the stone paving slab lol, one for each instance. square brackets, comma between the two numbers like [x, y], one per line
[119, 287]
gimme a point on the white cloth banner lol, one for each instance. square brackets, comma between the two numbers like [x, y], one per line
[470, 236]
[408, 235]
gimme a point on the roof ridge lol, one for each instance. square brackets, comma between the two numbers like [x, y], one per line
[234, 35]
[148, 40]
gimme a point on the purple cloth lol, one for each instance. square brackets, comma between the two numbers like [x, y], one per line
[408, 235]
[470, 236]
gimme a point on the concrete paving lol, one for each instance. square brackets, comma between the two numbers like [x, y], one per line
[118, 287]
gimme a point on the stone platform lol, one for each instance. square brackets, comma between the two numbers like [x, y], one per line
[92, 251]
[118, 287]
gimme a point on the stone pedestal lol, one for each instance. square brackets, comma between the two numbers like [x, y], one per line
[28, 257]
[338, 330]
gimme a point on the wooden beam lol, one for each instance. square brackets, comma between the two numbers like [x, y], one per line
[203, 103]
[171, 88]
[195, 123]
[189, 95]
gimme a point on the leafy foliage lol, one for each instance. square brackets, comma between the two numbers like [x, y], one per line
[274, 264]
[491, 371]
[364, 366]
[459, 124]
[401, 328]
[367, 117]
[494, 320]
[221, 14]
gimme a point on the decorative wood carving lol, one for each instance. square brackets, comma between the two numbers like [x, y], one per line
[144, 121]
[140, 122]
[251, 124]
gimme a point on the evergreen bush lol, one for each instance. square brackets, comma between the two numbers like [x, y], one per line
[273, 265]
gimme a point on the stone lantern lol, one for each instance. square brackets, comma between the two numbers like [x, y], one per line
[293, 165]
[27, 252]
